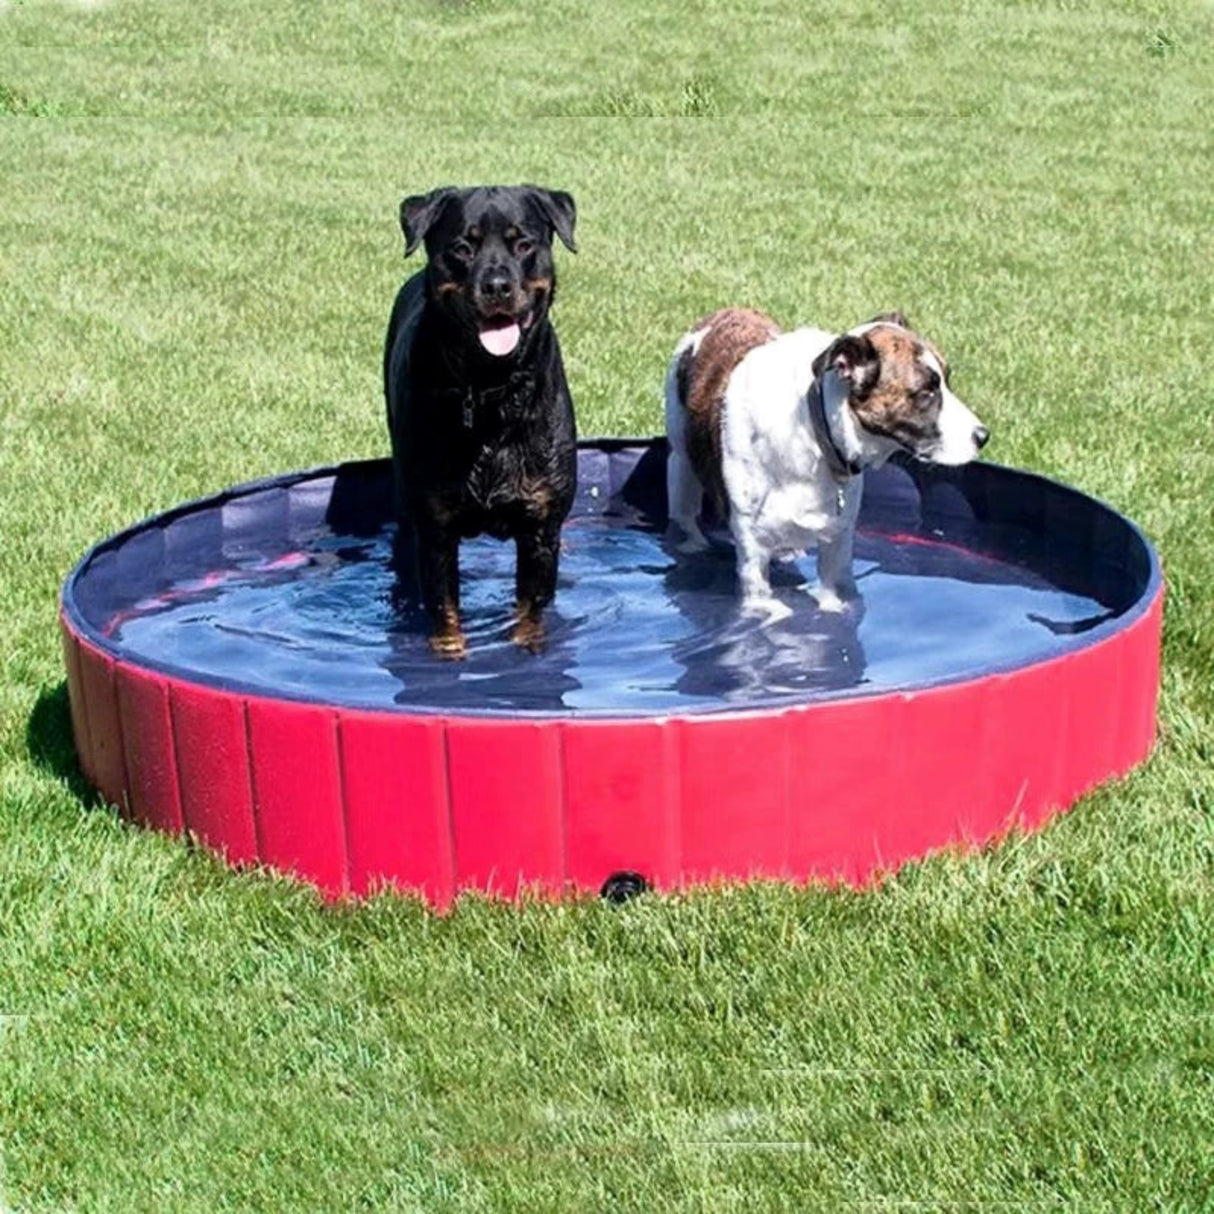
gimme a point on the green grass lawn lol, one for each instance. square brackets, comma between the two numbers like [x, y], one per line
[198, 251]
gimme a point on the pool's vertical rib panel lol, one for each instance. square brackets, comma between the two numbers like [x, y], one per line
[943, 787]
[77, 701]
[297, 792]
[1140, 654]
[1006, 786]
[672, 789]
[394, 782]
[1090, 684]
[506, 802]
[212, 754]
[734, 797]
[104, 726]
[1032, 713]
[147, 734]
[618, 802]
[840, 784]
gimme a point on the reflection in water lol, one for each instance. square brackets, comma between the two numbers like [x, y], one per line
[740, 658]
[1072, 627]
[496, 674]
[634, 630]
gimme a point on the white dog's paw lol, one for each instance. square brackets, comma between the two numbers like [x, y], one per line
[767, 609]
[829, 602]
[694, 540]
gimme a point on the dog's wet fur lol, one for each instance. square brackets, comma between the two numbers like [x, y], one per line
[479, 411]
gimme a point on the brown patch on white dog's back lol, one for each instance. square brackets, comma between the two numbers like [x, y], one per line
[703, 375]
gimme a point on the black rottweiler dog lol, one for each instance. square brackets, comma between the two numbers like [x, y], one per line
[483, 436]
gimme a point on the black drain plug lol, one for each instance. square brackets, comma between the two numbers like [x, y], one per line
[623, 886]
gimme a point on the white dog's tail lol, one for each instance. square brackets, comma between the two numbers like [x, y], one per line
[684, 494]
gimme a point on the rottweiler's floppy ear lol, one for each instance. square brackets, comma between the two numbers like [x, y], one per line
[560, 210]
[852, 358]
[891, 318]
[418, 212]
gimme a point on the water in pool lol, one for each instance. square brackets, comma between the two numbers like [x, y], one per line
[633, 630]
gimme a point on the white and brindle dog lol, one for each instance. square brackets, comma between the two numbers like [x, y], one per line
[777, 428]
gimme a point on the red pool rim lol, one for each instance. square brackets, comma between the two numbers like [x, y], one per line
[836, 788]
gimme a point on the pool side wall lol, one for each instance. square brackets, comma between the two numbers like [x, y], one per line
[839, 790]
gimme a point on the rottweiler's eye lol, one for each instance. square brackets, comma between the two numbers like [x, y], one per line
[523, 246]
[461, 249]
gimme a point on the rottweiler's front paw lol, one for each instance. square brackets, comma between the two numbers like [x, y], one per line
[528, 633]
[449, 645]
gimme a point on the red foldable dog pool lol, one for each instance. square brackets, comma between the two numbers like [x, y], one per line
[242, 668]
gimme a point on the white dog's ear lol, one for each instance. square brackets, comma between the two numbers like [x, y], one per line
[852, 358]
[418, 213]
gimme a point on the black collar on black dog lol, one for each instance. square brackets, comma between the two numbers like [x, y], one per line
[841, 466]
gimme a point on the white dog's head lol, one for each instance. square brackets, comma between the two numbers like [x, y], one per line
[897, 386]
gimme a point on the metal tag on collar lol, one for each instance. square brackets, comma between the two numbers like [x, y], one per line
[469, 411]
[840, 498]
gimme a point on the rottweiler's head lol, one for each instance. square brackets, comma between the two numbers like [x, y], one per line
[490, 249]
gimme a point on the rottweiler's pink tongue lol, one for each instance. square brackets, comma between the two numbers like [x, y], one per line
[501, 339]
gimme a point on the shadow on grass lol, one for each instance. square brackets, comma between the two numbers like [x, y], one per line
[48, 738]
